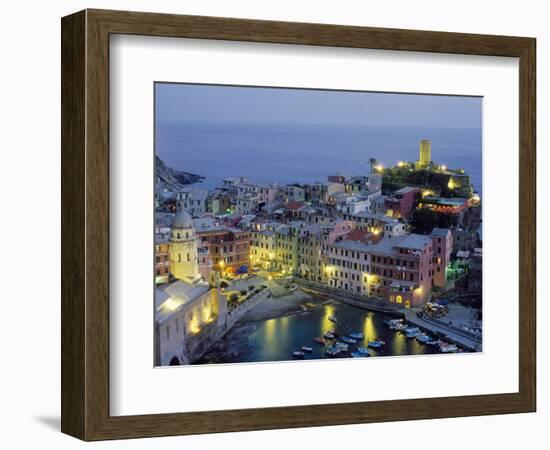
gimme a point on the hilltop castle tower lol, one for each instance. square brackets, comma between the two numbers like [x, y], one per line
[425, 154]
[183, 249]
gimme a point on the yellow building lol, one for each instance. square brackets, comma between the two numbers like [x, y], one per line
[262, 249]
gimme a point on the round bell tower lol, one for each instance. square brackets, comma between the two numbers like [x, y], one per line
[183, 249]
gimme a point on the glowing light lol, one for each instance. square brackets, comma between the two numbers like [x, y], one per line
[400, 164]
[443, 168]
[270, 278]
[194, 324]
[379, 167]
[171, 304]
[452, 184]
[427, 192]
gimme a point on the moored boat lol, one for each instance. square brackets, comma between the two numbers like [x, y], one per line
[342, 346]
[328, 335]
[332, 351]
[298, 355]
[356, 335]
[307, 349]
[349, 340]
[423, 338]
[333, 319]
[320, 340]
[377, 343]
[359, 355]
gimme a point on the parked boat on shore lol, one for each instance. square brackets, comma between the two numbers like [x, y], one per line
[446, 347]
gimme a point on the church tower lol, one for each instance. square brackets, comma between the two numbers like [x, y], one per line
[183, 249]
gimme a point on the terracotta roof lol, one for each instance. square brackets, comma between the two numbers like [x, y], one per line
[294, 206]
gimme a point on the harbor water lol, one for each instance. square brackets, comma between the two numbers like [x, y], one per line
[276, 339]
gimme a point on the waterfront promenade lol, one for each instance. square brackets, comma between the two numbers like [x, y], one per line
[451, 333]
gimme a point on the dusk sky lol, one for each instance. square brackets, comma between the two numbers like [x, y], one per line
[191, 102]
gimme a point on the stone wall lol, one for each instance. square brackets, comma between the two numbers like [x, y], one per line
[195, 346]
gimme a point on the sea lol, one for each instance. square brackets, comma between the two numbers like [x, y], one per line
[306, 153]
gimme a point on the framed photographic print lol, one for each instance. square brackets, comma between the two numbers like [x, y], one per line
[271, 224]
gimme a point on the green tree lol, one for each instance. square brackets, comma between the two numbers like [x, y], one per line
[423, 220]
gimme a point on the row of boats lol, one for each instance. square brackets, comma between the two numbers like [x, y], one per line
[412, 332]
[340, 345]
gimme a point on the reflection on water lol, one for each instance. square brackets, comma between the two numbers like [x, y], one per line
[276, 339]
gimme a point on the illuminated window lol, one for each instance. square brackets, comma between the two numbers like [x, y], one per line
[399, 299]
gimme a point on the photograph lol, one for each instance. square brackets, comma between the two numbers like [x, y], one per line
[296, 224]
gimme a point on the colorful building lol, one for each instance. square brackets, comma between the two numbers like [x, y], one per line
[402, 202]
[228, 247]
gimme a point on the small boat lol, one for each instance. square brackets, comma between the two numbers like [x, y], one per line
[320, 340]
[307, 349]
[359, 355]
[328, 335]
[356, 335]
[299, 355]
[423, 338]
[363, 350]
[433, 342]
[332, 351]
[333, 319]
[410, 329]
[377, 343]
[343, 347]
[411, 334]
[445, 347]
[394, 324]
[348, 340]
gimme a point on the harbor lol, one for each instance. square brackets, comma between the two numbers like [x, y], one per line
[321, 328]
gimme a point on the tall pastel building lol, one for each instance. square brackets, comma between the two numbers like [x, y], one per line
[425, 154]
[183, 249]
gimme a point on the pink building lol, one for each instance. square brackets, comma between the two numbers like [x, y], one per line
[399, 269]
[339, 230]
[403, 201]
[402, 269]
[442, 240]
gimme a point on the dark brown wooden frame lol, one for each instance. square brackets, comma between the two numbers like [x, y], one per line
[85, 224]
